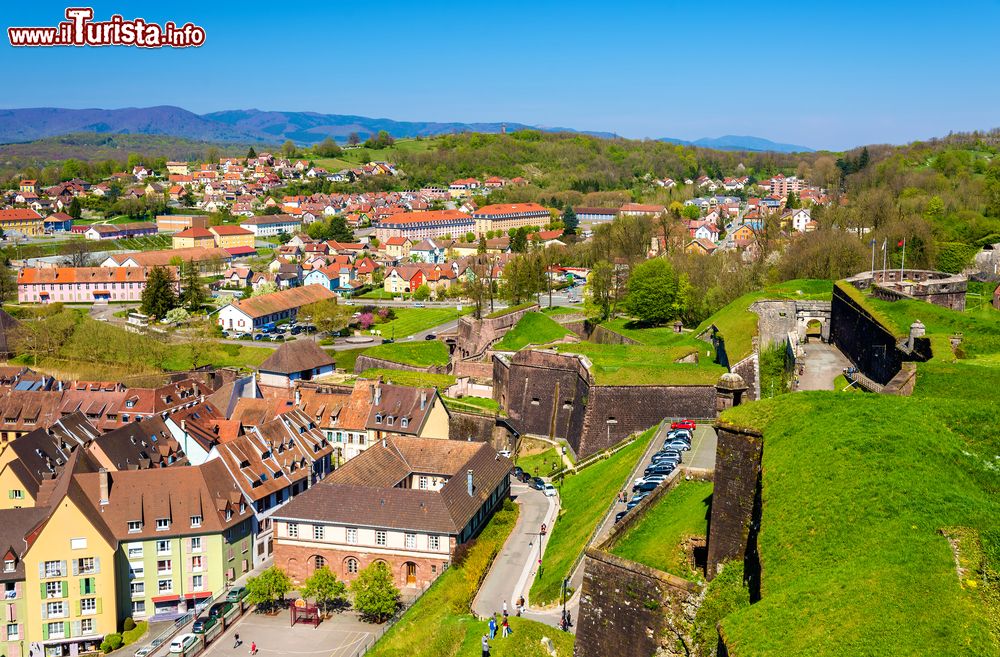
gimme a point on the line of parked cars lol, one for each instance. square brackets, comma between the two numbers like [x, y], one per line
[667, 459]
[207, 625]
[535, 482]
[271, 332]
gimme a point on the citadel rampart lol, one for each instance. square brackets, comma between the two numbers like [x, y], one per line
[937, 287]
[551, 394]
[474, 336]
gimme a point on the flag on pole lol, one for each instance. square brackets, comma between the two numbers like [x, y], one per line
[901, 242]
[885, 242]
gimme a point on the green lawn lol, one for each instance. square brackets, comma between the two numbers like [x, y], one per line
[439, 623]
[533, 328]
[738, 325]
[540, 464]
[380, 293]
[413, 379]
[424, 353]
[509, 310]
[345, 359]
[655, 540]
[473, 404]
[561, 310]
[179, 357]
[585, 497]
[414, 320]
[856, 502]
[644, 365]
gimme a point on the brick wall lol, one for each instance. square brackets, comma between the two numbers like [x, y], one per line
[738, 457]
[866, 342]
[300, 562]
[473, 335]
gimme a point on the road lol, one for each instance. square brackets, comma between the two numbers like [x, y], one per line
[821, 364]
[514, 568]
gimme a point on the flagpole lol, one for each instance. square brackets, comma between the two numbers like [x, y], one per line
[902, 263]
[873, 258]
[885, 258]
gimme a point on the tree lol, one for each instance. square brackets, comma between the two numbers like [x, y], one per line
[159, 296]
[353, 139]
[8, 284]
[74, 209]
[324, 587]
[569, 220]
[327, 148]
[375, 595]
[265, 288]
[422, 293]
[251, 154]
[691, 212]
[288, 148]
[193, 293]
[598, 296]
[656, 293]
[519, 241]
[327, 315]
[339, 230]
[481, 248]
[792, 202]
[268, 587]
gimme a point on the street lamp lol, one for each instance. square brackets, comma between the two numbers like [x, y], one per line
[565, 586]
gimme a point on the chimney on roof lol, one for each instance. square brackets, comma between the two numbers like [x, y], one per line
[423, 400]
[468, 481]
[298, 396]
[378, 395]
[184, 425]
[105, 481]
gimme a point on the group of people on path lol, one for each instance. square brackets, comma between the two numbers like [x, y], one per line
[503, 626]
[238, 642]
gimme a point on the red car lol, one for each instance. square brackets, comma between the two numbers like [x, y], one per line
[683, 424]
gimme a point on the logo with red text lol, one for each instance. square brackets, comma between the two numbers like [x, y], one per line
[80, 29]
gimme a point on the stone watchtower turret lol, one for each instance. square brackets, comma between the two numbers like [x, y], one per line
[729, 391]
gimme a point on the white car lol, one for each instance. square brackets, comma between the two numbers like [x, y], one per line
[549, 490]
[504, 453]
[183, 642]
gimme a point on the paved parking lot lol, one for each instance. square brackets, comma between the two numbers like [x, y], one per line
[342, 635]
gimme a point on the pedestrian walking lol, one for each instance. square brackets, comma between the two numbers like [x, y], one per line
[493, 627]
[506, 628]
[486, 646]
[253, 647]
[505, 608]
[237, 641]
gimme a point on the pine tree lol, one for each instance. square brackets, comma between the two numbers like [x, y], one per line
[193, 295]
[481, 249]
[159, 296]
[75, 210]
[251, 153]
[570, 222]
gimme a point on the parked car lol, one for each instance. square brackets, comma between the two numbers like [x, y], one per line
[550, 490]
[537, 483]
[236, 594]
[646, 487]
[524, 477]
[620, 515]
[656, 478]
[183, 642]
[684, 424]
[517, 471]
[204, 624]
[679, 445]
[660, 468]
[635, 500]
[142, 652]
[219, 609]
[258, 337]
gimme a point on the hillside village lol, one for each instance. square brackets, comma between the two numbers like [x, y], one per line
[228, 382]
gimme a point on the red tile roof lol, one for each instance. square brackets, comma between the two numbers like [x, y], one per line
[509, 208]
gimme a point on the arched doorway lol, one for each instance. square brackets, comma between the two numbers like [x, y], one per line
[814, 330]
[316, 562]
[410, 573]
[351, 567]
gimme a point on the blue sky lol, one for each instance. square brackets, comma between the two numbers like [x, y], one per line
[825, 75]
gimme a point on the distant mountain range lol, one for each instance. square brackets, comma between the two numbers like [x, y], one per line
[263, 127]
[741, 143]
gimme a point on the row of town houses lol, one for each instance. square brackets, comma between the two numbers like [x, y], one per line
[143, 502]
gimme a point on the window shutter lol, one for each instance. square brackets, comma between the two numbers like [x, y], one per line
[98, 603]
[83, 586]
[65, 588]
[10, 493]
[18, 592]
[20, 630]
[10, 614]
[93, 585]
[62, 568]
[66, 630]
[76, 567]
[76, 607]
[41, 574]
[45, 631]
[42, 586]
[45, 612]
[97, 565]
[77, 628]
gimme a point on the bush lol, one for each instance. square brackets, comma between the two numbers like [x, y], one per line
[111, 642]
[128, 625]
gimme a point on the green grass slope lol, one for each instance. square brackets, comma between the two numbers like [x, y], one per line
[655, 540]
[425, 353]
[855, 500]
[533, 328]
